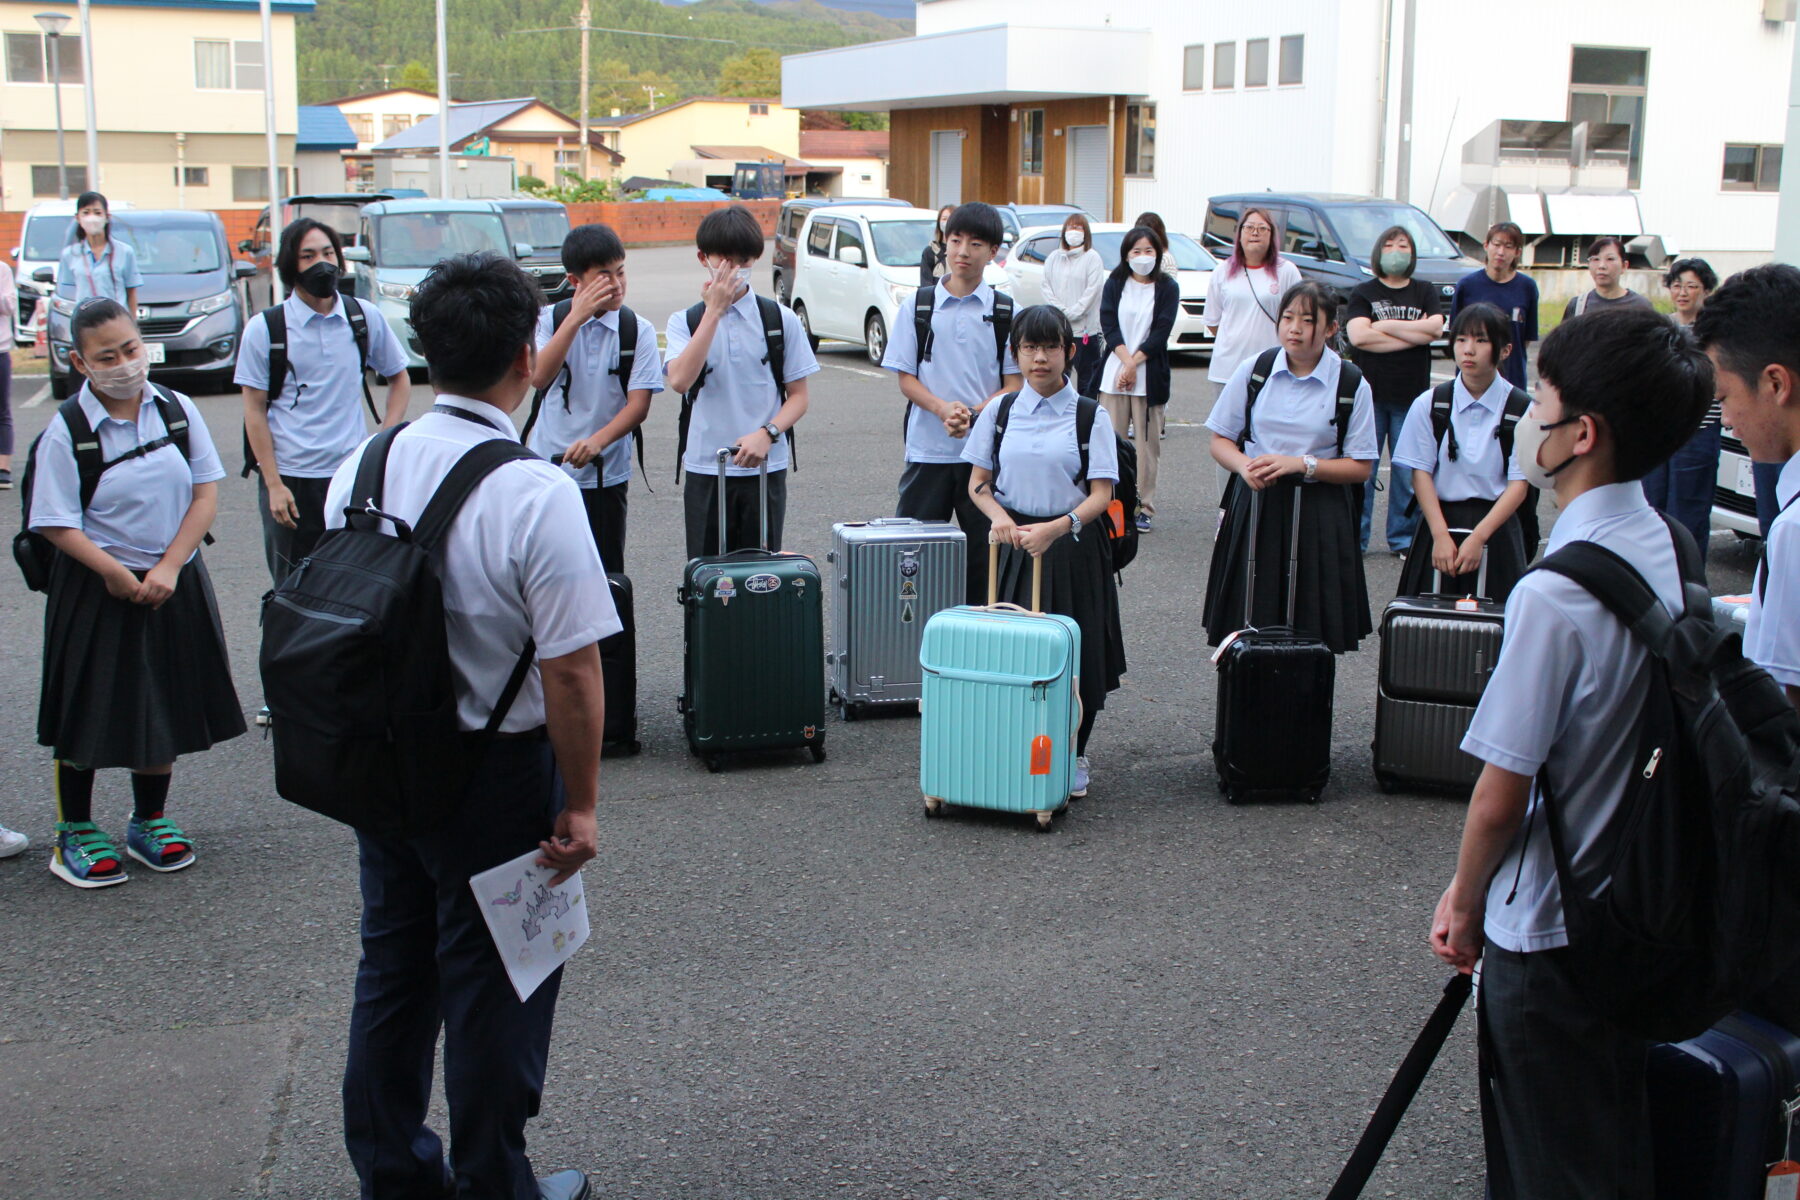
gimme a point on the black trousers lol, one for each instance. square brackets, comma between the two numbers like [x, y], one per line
[428, 962]
[283, 548]
[938, 492]
[1528, 524]
[1563, 1107]
[743, 519]
[606, 510]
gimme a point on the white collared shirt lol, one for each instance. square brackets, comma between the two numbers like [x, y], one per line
[113, 274]
[594, 396]
[317, 420]
[965, 365]
[739, 397]
[1477, 472]
[1296, 414]
[1565, 696]
[1039, 458]
[1244, 309]
[1772, 636]
[139, 504]
[517, 563]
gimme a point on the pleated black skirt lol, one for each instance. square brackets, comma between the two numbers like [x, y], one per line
[1505, 556]
[1078, 583]
[126, 685]
[1331, 595]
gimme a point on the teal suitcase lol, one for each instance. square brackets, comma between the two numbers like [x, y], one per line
[999, 710]
[753, 649]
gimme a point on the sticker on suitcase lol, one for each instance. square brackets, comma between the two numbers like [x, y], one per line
[762, 584]
[725, 589]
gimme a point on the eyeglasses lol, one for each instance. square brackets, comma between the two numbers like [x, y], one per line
[1256, 229]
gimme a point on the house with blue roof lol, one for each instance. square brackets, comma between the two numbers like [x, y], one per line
[541, 140]
[178, 101]
[322, 149]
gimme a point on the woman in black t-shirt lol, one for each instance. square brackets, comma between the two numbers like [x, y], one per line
[1392, 321]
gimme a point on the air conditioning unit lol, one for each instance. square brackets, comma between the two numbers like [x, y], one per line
[1778, 10]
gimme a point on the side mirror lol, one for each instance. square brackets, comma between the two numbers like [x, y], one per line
[242, 269]
[1312, 248]
[850, 254]
[522, 249]
[246, 247]
[44, 274]
[358, 254]
[14, 252]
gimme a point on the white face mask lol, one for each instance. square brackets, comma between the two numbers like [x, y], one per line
[91, 223]
[1143, 264]
[1529, 436]
[1073, 237]
[124, 380]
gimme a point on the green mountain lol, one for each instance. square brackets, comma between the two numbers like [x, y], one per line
[348, 47]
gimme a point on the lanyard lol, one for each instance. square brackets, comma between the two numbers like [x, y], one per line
[466, 415]
[87, 262]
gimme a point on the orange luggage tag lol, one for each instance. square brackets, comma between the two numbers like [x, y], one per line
[1783, 1182]
[1040, 754]
[1115, 518]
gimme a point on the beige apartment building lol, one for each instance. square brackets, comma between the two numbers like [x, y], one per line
[659, 143]
[178, 99]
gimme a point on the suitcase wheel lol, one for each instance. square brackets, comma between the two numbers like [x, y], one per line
[681, 703]
[934, 807]
[1387, 783]
[850, 711]
[1316, 796]
[714, 763]
[1044, 821]
[818, 753]
[1231, 797]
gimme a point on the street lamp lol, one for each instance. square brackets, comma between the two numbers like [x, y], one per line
[53, 24]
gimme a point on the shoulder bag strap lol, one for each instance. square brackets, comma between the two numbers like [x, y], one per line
[371, 479]
[476, 464]
[1617, 585]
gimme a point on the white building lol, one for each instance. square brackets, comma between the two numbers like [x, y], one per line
[1158, 104]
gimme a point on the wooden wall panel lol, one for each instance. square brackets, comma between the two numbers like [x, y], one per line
[991, 150]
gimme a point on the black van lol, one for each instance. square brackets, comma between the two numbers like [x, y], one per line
[787, 236]
[1331, 235]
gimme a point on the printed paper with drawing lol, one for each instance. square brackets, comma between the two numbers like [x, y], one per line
[536, 927]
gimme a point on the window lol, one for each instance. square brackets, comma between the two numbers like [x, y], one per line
[568, 158]
[248, 58]
[1299, 228]
[1293, 60]
[849, 234]
[1256, 63]
[1031, 142]
[1611, 85]
[393, 123]
[363, 125]
[1752, 169]
[1193, 68]
[818, 242]
[43, 180]
[252, 183]
[759, 110]
[1140, 139]
[1224, 66]
[1038, 249]
[225, 66]
[28, 58]
[196, 176]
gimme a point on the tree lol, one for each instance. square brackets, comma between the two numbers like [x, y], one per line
[616, 86]
[416, 74]
[865, 120]
[755, 72]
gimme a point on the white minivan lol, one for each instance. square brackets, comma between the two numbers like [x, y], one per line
[856, 268]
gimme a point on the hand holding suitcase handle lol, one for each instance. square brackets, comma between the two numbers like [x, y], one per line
[723, 458]
[1481, 592]
[1037, 581]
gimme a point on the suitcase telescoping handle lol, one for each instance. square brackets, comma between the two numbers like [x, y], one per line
[1256, 502]
[1481, 592]
[724, 460]
[1037, 581]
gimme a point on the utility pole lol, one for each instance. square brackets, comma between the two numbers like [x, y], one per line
[268, 52]
[1403, 158]
[443, 74]
[587, 17]
[1787, 214]
[87, 90]
[651, 88]
[52, 24]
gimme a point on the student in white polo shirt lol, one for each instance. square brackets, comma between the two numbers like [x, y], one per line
[1750, 329]
[720, 356]
[593, 395]
[298, 436]
[517, 564]
[1563, 1088]
[947, 382]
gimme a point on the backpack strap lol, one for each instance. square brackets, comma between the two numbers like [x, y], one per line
[89, 465]
[476, 464]
[275, 318]
[1002, 317]
[359, 332]
[1087, 410]
[1350, 379]
[775, 355]
[1259, 375]
[557, 316]
[628, 342]
[1001, 416]
[1517, 402]
[924, 301]
[1581, 303]
[1441, 425]
[692, 316]
[1618, 585]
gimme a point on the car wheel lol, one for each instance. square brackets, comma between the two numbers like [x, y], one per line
[781, 292]
[811, 339]
[875, 337]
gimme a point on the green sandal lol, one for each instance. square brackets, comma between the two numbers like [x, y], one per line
[85, 857]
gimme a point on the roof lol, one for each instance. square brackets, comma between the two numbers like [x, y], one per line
[1313, 197]
[399, 91]
[750, 154]
[288, 6]
[844, 143]
[323, 127]
[634, 118]
[466, 121]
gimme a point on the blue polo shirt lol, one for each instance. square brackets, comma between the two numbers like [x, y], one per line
[1517, 298]
[965, 366]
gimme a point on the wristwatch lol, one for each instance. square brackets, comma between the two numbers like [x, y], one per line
[773, 430]
[1312, 466]
[1074, 525]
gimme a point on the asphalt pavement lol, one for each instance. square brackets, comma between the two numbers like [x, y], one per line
[797, 985]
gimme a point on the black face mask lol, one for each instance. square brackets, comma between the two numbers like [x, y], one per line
[319, 280]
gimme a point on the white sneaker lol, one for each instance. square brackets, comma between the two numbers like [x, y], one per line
[1079, 787]
[12, 842]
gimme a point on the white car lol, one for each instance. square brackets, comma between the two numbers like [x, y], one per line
[1734, 491]
[46, 231]
[856, 268]
[1194, 266]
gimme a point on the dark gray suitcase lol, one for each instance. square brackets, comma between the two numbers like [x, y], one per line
[1437, 653]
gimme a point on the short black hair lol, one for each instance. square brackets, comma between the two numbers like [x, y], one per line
[471, 315]
[1043, 325]
[731, 232]
[976, 220]
[1640, 373]
[1412, 249]
[1122, 270]
[92, 313]
[1709, 278]
[1753, 320]
[1314, 295]
[589, 246]
[287, 255]
[1484, 321]
[1599, 245]
[81, 202]
[1510, 231]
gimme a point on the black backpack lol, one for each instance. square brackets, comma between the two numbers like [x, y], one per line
[1695, 908]
[1442, 396]
[356, 664]
[1350, 378]
[1121, 514]
[774, 355]
[33, 551]
[925, 303]
[628, 340]
[275, 316]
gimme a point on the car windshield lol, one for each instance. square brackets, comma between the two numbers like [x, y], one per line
[900, 243]
[1029, 217]
[421, 239]
[540, 228]
[343, 218]
[171, 249]
[1189, 254]
[45, 238]
[1360, 225]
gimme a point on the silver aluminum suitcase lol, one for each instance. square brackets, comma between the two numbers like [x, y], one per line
[1437, 654]
[888, 577]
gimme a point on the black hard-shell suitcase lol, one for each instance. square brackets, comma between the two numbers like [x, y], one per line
[618, 665]
[1721, 1109]
[1273, 734]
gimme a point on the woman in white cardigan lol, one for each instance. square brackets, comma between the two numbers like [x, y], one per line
[1073, 276]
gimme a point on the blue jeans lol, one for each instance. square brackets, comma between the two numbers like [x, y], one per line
[1400, 524]
[1767, 476]
[1683, 486]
